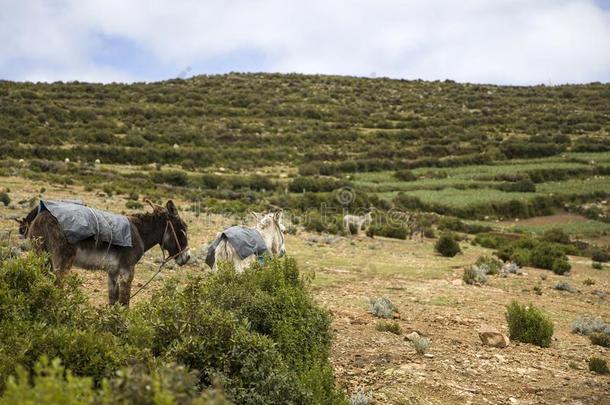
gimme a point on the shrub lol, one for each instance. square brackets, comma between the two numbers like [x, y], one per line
[359, 398]
[133, 205]
[588, 282]
[421, 344]
[388, 230]
[278, 340]
[171, 177]
[511, 268]
[405, 175]
[48, 386]
[598, 365]
[556, 235]
[447, 245]
[587, 324]
[565, 286]
[601, 256]
[529, 325]
[392, 327]
[600, 339]
[475, 275]
[597, 265]
[4, 198]
[520, 186]
[561, 266]
[382, 307]
[489, 264]
[544, 255]
[258, 334]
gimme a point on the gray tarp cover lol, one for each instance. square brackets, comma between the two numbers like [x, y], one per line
[81, 222]
[245, 241]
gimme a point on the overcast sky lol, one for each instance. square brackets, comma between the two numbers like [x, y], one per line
[490, 41]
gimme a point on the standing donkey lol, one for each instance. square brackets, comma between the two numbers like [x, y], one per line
[271, 230]
[162, 227]
[353, 224]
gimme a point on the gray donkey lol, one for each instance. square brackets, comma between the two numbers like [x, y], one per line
[162, 227]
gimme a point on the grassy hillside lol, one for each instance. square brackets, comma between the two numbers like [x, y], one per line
[238, 140]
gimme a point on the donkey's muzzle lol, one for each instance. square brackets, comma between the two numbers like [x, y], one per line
[183, 258]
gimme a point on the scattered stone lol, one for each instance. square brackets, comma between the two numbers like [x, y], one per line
[428, 355]
[412, 336]
[490, 336]
[457, 282]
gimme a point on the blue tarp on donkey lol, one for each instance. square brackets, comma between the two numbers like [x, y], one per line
[80, 222]
[245, 241]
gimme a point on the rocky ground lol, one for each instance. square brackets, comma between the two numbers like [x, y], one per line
[431, 300]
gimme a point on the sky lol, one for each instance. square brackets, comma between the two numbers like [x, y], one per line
[519, 42]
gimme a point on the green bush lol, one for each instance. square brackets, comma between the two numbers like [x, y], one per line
[597, 265]
[4, 198]
[521, 257]
[474, 275]
[49, 386]
[171, 177]
[600, 338]
[529, 325]
[133, 205]
[447, 246]
[545, 254]
[405, 175]
[490, 241]
[258, 335]
[601, 256]
[598, 365]
[278, 340]
[490, 265]
[561, 266]
[395, 231]
[392, 327]
[555, 235]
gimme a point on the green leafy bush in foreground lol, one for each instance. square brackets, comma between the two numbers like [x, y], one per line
[529, 324]
[256, 336]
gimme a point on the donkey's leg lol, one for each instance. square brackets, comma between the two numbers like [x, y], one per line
[125, 278]
[113, 286]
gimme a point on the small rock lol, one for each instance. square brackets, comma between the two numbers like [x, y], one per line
[490, 336]
[457, 282]
[428, 355]
[512, 400]
[412, 336]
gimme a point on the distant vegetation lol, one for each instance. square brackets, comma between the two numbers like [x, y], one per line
[239, 141]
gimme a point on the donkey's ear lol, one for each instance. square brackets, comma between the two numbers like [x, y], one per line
[19, 221]
[171, 207]
[255, 215]
[278, 215]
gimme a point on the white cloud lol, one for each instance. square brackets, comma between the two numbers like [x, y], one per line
[502, 41]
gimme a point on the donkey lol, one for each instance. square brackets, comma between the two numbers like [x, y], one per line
[162, 227]
[271, 229]
[353, 224]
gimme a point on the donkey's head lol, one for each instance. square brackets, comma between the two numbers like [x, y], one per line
[175, 239]
[24, 223]
[272, 229]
